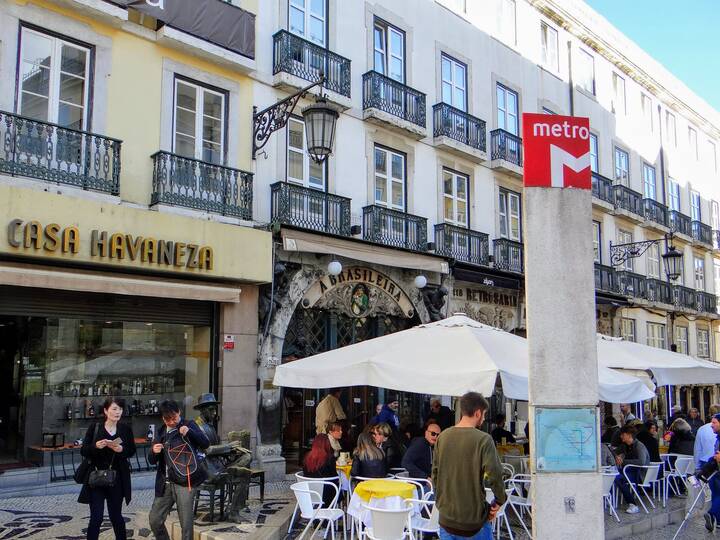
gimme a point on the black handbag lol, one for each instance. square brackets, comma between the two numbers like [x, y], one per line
[83, 470]
[100, 478]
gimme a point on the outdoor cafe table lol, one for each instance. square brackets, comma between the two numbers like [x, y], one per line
[379, 493]
[344, 475]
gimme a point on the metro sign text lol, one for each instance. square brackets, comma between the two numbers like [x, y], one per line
[557, 151]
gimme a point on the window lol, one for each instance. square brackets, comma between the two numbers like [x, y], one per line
[652, 259]
[506, 22]
[454, 83]
[625, 237]
[308, 19]
[389, 43]
[389, 178]
[597, 242]
[699, 266]
[627, 329]
[622, 170]
[647, 112]
[681, 339]
[549, 42]
[656, 335]
[670, 133]
[674, 195]
[199, 130]
[301, 168]
[649, 181]
[455, 198]
[53, 80]
[509, 210]
[695, 205]
[507, 109]
[703, 343]
[594, 153]
[712, 155]
[716, 270]
[619, 94]
[715, 217]
[586, 72]
[692, 141]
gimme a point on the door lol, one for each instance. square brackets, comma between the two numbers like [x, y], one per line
[454, 93]
[11, 388]
[390, 193]
[306, 207]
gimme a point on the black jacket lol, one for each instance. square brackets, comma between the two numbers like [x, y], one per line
[498, 433]
[611, 436]
[418, 458]
[197, 440]
[394, 451]
[444, 418]
[651, 443]
[370, 468]
[101, 458]
[682, 442]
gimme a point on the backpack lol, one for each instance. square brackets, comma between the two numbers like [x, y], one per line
[182, 460]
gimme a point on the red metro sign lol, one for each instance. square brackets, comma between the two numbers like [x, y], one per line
[557, 151]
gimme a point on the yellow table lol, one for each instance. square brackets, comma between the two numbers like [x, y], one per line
[663, 449]
[381, 488]
[511, 449]
[345, 469]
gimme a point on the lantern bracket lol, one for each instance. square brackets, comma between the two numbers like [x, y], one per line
[620, 253]
[275, 117]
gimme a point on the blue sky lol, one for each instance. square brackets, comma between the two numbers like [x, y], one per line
[683, 36]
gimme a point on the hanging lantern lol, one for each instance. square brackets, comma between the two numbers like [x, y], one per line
[673, 261]
[320, 119]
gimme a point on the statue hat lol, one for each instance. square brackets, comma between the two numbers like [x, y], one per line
[205, 400]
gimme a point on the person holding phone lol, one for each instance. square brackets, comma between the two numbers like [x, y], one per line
[108, 445]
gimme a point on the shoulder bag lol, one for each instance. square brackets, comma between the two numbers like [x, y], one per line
[83, 470]
[100, 478]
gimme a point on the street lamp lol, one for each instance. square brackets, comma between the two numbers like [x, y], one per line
[672, 258]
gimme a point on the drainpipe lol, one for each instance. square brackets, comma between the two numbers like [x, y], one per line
[570, 80]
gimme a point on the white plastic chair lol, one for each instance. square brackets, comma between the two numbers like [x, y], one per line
[608, 495]
[300, 478]
[648, 477]
[310, 503]
[389, 524]
[421, 484]
[501, 516]
[423, 524]
[520, 497]
[508, 471]
[683, 466]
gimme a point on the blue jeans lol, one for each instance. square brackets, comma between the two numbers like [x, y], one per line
[715, 490]
[624, 487]
[484, 534]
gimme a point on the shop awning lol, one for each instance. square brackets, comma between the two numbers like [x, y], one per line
[44, 277]
[361, 251]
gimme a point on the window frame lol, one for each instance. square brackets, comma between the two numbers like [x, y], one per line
[625, 237]
[597, 241]
[387, 29]
[693, 141]
[619, 96]
[455, 199]
[504, 198]
[699, 273]
[594, 157]
[646, 106]
[501, 18]
[588, 61]
[506, 115]
[659, 337]
[619, 152]
[649, 187]
[305, 181]
[695, 209]
[453, 86]
[546, 31]
[703, 352]
[712, 150]
[628, 323]
[674, 195]
[652, 262]
[682, 334]
[307, 15]
[670, 119]
[389, 178]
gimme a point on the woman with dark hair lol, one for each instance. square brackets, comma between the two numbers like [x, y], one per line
[108, 445]
[319, 462]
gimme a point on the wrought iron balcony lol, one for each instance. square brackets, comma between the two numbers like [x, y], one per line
[628, 199]
[605, 278]
[631, 284]
[388, 95]
[702, 233]
[679, 223]
[655, 211]
[297, 56]
[504, 145]
[309, 208]
[462, 244]
[196, 184]
[706, 302]
[57, 154]
[394, 228]
[458, 125]
[684, 297]
[602, 188]
[508, 255]
[716, 239]
[658, 291]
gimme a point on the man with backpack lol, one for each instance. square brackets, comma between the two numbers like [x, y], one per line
[175, 452]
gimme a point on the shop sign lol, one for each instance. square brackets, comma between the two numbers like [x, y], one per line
[486, 305]
[229, 342]
[103, 245]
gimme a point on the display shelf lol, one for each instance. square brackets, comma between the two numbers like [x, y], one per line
[156, 415]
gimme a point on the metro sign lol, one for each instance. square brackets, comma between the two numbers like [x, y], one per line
[557, 151]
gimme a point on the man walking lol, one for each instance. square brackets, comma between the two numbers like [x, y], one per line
[329, 410]
[465, 459]
[174, 451]
[705, 440]
[709, 467]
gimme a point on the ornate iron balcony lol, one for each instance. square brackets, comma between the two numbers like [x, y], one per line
[658, 291]
[388, 95]
[394, 228]
[196, 184]
[605, 278]
[679, 223]
[706, 302]
[602, 188]
[655, 211]
[462, 244]
[302, 58]
[627, 199]
[309, 208]
[631, 284]
[458, 125]
[702, 233]
[508, 255]
[684, 297]
[505, 145]
[57, 154]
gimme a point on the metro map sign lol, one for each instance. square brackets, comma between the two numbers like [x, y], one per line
[557, 151]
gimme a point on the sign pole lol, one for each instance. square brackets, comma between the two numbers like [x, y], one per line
[559, 279]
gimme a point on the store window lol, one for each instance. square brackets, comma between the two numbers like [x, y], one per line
[656, 335]
[627, 329]
[703, 343]
[681, 339]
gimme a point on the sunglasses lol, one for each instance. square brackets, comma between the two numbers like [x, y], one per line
[434, 433]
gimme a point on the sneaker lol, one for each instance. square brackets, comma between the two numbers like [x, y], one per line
[710, 522]
[632, 509]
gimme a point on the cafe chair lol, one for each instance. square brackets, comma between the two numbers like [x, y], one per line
[683, 466]
[608, 493]
[501, 517]
[648, 476]
[316, 488]
[422, 485]
[421, 524]
[508, 471]
[389, 524]
[310, 503]
[519, 498]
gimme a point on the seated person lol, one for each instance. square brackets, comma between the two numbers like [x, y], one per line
[390, 443]
[335, 433]
[648, 435]
[417, 461]
[319, 462]
[440, 414]
[630, 452]
[499, 432]
[368, 459]
[611, 435]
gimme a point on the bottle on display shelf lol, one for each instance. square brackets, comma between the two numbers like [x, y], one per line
[91, 411]
[68, 411]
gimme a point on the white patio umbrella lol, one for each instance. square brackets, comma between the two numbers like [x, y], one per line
[448, 357]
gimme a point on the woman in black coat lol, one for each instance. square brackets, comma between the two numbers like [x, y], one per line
[368, 459]
[102, 447]
[682, 441]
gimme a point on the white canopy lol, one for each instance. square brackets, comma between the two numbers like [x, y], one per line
[448, 357]
[667, 367]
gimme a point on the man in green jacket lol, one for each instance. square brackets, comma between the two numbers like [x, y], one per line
[465, 461]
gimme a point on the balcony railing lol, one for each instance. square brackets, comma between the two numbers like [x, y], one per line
[297, 56]
[394, 228]
[684, 297]
[602, 188]
[506, 146]
[627, 199]
[462, 244]
[458, 125]
[631, 284]
[655, 211]
[57, 154]
[309, 208]
[605, 278]
[388, 95]
[658, 291]
[679, 223]
[199, 185]
[508, 255]
[706, 302]
[702, 233]
[716, 239]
